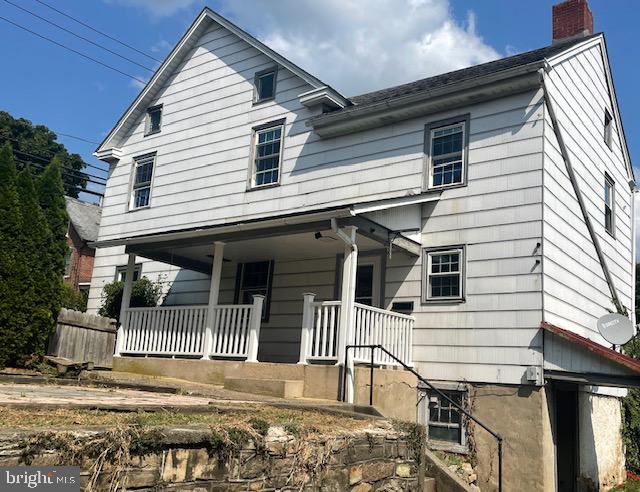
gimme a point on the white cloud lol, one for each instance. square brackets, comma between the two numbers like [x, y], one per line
[157, 8]
[137, 82]
[162, 46]
[363, 45]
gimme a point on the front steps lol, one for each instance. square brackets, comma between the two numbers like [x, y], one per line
[281, 388]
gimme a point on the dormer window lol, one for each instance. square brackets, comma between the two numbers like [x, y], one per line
[154, 120]
[265, 85]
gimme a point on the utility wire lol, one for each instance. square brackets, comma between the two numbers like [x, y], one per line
[99, 32]
[72, 50]
[77, 35]
[47, 159]
[64, 174]
[77, 138]
[82, 174]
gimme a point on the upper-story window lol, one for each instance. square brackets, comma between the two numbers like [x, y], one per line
[142, 176]
[608, 127]
[609, 204]
[267, 155]
[153, 121]
[447, 153]
[443, 278]
[265, 85]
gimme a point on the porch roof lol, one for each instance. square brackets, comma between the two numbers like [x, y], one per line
[571, 357]
[291, 236]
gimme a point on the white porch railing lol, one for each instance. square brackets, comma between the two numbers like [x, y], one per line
[375, 326]
[181, 331]
[372, 326]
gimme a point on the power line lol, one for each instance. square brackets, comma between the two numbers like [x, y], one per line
[77, 138]
[72, 50]
[82, 174]
[51, 156]
[77, 35]
[99, 32]
[62, 172]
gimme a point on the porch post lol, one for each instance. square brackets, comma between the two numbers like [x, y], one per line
[349, 268]
[307, 326]
[214, 292]
[254, 328]
[126, 301]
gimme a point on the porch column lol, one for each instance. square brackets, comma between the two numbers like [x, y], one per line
[126, 301]
[254, 328]
[214, 293]
[348, 297]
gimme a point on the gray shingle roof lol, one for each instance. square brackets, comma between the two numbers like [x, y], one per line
[85, 217]
[464, 74]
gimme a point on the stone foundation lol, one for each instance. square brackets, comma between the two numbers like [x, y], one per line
[192, 460]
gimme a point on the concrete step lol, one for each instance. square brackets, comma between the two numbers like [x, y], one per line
[282, 388]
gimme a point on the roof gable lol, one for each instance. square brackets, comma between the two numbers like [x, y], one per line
[85, 218]
[108, 149]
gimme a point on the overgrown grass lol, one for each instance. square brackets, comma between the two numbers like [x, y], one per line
[259, 416]
[629, 486]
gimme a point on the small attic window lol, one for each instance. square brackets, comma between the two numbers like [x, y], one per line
[154, 120]
[265, 85]
[608, 124]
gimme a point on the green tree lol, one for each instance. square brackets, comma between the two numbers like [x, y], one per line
[51, 198]
[39, 256]
[144, 293]
[631, 404]
[36, 144]
[13, 269]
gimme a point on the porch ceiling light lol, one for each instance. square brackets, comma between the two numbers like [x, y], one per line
[327, 239]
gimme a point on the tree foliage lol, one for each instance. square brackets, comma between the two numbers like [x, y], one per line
[72, 298]
[631, 404]
[144, 293]
[31, 258]
[35, 145]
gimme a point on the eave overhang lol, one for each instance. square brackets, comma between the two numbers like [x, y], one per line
[357, 118]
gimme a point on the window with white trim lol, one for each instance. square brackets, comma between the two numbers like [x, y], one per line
[609, 204]
[121, 272]
[447, 155]
[444, 275]
[153, 121]
[142, 176]
[267, 156]
[265, 83]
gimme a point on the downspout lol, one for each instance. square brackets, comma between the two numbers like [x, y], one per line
[634, 192]
[576, 188]
[349, 242]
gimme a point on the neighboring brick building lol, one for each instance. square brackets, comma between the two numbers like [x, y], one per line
[84, 220]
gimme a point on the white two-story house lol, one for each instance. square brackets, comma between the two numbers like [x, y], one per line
[476, 224]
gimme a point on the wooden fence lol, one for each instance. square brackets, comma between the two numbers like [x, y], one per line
[83, 337]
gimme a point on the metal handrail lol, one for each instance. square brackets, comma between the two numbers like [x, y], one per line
[494, 434]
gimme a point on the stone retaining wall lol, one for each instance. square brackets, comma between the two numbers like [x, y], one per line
[188, 460]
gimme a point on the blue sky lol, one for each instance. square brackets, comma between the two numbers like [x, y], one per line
[337, 40]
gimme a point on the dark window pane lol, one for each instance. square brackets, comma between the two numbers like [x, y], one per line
[255, 274]
[141, 197]
[444, 434]
[266, 86]
[155, 117]
[364, 284]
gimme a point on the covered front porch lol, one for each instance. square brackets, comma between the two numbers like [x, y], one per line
[280, 291]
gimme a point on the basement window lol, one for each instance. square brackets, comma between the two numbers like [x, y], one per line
[609, 204]
[153, 121]
[254, 278]
[444, 422]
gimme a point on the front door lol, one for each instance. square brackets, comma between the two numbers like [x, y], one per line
[566, 403]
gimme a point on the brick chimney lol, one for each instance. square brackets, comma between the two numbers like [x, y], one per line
[572, 19]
